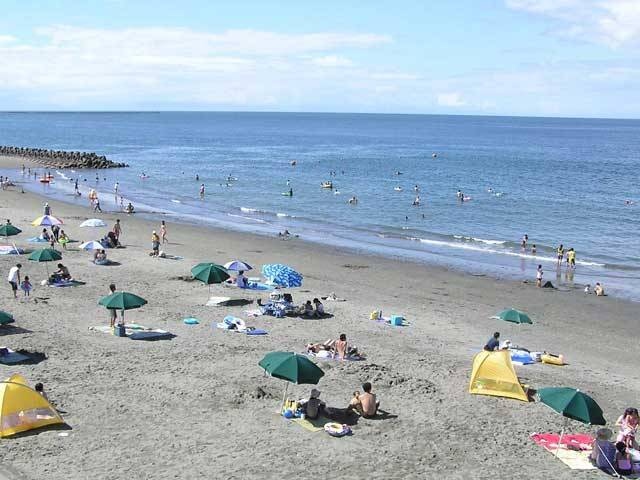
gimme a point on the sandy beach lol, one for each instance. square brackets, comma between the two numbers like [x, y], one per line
[187, 407]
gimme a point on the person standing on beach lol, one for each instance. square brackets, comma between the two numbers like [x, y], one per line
[14, 279]
[117, 229]
[113, 313]
[571, 258]
[116, 187]
[155, 244]
[202, 190]
[97, 208]
[163, 232]
[47, 209]
[560, 252]
[539, 274]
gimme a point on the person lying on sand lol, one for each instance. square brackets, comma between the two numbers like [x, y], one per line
[365, 403]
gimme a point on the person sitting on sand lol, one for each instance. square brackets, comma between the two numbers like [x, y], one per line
[313, 406]
[45, 235]
[62, 274]
[623, 460]
[603, 453]
[319, 308]
[100, 257]
[129, 208]
[307, 310]
[628, 423]
[241, 280]
[598, 290]
[365, 403]
[341, 346]
[39, 387]
[493, 343]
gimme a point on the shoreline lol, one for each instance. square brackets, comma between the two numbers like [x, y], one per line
[399, 253]
[188, 396]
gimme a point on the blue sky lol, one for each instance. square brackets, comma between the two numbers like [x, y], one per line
[491, 57]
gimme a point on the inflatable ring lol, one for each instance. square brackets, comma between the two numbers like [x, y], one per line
[552, 359]
[337, 429]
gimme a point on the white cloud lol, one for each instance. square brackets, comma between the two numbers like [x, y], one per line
[68, 67]
[614, 23]
[451, 99]
[332, 61]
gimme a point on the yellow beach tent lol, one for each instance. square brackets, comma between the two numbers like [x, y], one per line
[493, 374]
[22, 408]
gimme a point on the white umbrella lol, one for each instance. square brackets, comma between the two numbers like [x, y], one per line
[92, 245]
[237, 266]
[93, 222]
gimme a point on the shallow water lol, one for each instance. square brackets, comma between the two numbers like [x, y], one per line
[557, 180]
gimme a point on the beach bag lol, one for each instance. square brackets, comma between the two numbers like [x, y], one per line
[375, 315]
[396, 320]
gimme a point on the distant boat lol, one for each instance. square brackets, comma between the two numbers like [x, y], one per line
[434, 155]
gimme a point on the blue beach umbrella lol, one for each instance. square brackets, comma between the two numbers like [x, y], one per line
[282, 275]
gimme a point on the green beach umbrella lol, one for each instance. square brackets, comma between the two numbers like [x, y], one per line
[209, 273]
[291, 367]
[45, 255]
[571, 404]
[122, 301]
[6, 318]
[8, 230]
[514, 316]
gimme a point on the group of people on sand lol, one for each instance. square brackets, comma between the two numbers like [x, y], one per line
[157, 239]
[315, 310]
[365, 404]
[614, 457]
[15, 281]
[339, 349]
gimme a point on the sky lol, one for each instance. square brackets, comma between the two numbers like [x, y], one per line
[570, 58]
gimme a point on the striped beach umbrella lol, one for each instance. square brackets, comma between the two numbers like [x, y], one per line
[282, 275]
[237, 266]
[46, 221]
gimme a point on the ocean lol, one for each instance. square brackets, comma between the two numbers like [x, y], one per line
[555, 180]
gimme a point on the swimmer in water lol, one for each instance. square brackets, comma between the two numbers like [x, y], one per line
[353, 200]
[460, 195]
[416, 188]
[523, 242]
[291, 192]
[288, 182]
[406, 218]
[416, 202]
[197, 177]
[202, 191]
[398, 173]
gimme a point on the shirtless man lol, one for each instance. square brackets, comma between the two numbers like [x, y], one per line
[365, 403]
[341, 346]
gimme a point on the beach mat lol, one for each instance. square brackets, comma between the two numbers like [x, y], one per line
[13, 358]
[312, 425]
[258, 286]
[573, 452]
[348, 358]
[70, 283]
[137, 332]
[10, 250]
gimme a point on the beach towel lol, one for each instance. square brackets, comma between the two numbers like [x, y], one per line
[10, 250]
[253, 313]
[137, 332]
[11, 357]
[316, 425]
[37, 240]
[190, 321]
[67, 283]
[387, 321]
[171, 257]
[217, 301]
[573, 452]
[348, 358]
[257, 286]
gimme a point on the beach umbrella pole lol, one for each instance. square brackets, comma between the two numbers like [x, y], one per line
[284, 397]
[564, 426]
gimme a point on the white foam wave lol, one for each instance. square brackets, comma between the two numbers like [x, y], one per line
[246, 218]
[250, 210]
[480, 240]
[477, 248]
